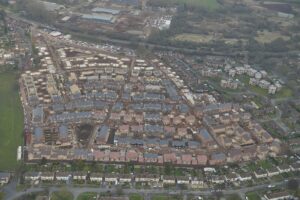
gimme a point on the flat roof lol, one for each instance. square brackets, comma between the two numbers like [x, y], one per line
[106, 10]
[103, 17]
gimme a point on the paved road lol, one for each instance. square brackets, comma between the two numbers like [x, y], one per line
[147, 192]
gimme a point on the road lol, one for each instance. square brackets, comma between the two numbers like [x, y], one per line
[76, 191]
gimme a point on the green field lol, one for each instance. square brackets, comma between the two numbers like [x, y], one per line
[210, 4]
[207, 4]
[136, 197]
[166, 197]
[11, 121]
[253, 196]
[87, 196]
[62, 195]
[196, 38]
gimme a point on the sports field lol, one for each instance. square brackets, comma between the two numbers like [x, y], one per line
[11, 121]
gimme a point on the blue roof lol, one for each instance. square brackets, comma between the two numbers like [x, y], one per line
[177, 143]
[117, 106]
[38, 132]
[136, 142]
[163, 142]
[38, 111]
[103, 131]
[152, 116]
[218, 156]
[205, 134]
[63, 131]
[183, 108]
[153, 128]
[193, 143]
[150, 155]
[129, 2]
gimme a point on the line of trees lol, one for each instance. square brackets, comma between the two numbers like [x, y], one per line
[35, 10]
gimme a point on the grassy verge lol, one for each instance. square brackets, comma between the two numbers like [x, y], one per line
[166, 197]
[87, 196]
[136, 197]
[62, 195]
[253, 196]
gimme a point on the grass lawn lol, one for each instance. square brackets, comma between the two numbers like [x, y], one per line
[62, 195]
[209, 4]
[252, 166]
[265, 164]
[196, 38]
[87, 196]
[11, 121]
[268, 37]
[165, 197]
[2, 196]
[233, 197]
[258, 90]
[253, 196]
[135, 197]
[284, 93]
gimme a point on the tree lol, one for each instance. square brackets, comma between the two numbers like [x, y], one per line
[277, 45]
[293, 184]
[119, 191]
[43, 161]
[4, 2]
[1, 196]
[35, 10]
[234, 197]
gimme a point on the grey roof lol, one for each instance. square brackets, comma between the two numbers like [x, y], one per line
[216, 107]
[4, 175]
[106, 10]
[127, 2]
[98, 17]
